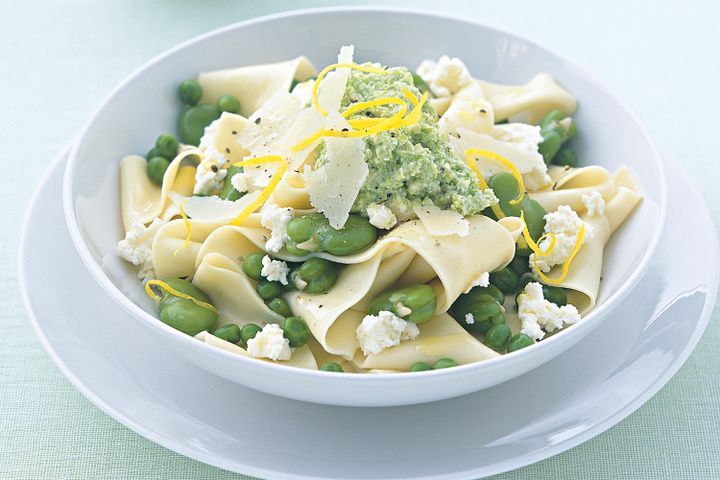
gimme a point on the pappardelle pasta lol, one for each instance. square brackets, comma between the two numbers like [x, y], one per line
[370, 219]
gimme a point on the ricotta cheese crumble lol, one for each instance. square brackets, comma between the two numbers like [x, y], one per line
[446, 76]
[384, 330]
[276, 219]
[136, 247]
[274, 270]
[538, 316]
[270, 343]
[594, 203]
[210, 173]
[565, 224]
[380, 216]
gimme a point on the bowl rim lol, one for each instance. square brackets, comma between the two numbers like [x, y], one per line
[565, 336]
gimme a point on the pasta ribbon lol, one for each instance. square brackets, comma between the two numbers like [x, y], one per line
[265, 194]
[472, 152]
[334, 66]
[188, 227]
[159, 283]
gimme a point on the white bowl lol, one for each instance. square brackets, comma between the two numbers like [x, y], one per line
[145, 104]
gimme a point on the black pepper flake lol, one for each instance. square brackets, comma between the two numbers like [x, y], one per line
[554, 187]
[257, 121]
[240, 258]
[345, 129]
[483, 111]
[321, 306]
[234, 132]
[227, 150]
[214, 168]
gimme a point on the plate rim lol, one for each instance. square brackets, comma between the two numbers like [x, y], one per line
[565, 338]
[491, 469]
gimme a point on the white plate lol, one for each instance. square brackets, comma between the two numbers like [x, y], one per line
[114, 362]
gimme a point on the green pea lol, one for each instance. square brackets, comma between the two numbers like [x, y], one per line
[525, 278]
[554, 134]
[491, 292]
[280, 306]
[183, 314]
[566, 158]
[518, 341]
[519, 265]
[313, 233]
[551, 117]
[248, 331]
[167, 145]
[319, 274]
[420, 367]
[228, 103]
[498, 336]
[445, 363]
[252, 265]
[190, 92]
[230, 333]
[556, 295]
[152, 153]
[186, 287]
[505, 187]
[296, 331]
[331, 367]
[193, 120]
[420, 84]
[156, 168]
[268, 290]
[505, 279]
[228, 191]
[552, 141]
[419, 299]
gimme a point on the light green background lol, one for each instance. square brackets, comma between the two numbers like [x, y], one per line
[59, 59]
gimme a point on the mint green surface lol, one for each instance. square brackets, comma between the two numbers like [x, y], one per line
[59, 59]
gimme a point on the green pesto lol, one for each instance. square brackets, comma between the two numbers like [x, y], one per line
[413, 165]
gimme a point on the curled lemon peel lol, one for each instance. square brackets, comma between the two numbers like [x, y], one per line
[159, 283]
[328, 69]
[490, 155]
[265, 193]
[360, 106]
[566, 264]
[188, 227]
[375, 125]
[531, 243]
[470, 160]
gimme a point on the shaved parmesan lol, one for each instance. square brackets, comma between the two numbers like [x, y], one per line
[333, 85]
[213, 208]
[334, 186]
[442, 222]
[309, 120]
[264, 127]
